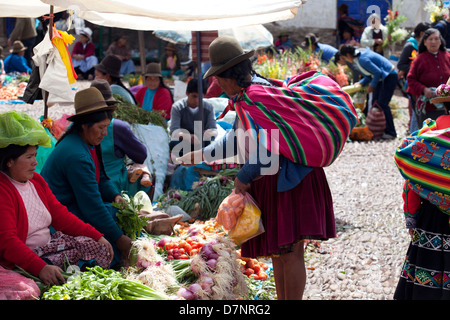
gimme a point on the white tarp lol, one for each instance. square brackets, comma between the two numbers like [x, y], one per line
[196, 15]
[25, 8]
[250, 37]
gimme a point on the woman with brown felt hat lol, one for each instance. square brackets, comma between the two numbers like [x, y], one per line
[155, 95]
[75, 172]
[295, 200]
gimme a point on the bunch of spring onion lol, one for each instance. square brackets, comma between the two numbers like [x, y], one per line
[102, 284]
[218, 272]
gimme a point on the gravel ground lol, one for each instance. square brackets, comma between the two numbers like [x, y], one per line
[363, 262]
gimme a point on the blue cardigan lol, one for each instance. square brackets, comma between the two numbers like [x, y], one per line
[70, 174]
[376, 65]
[290, 174]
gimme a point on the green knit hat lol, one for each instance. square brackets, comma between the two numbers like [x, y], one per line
[19, 128]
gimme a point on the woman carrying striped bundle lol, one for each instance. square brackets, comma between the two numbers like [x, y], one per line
[284, 134]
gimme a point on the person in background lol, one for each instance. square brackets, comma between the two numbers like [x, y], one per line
[75, 171]
[326, 52]
[120, 49]
[425, 268]
[170, 63]
[409, 52]
[109, 69]
[356, 73]
[443, 26]
[122, 152]
[29, 210]
[283, 42]
[429, 69]
[380, 77]
[25, 31]
[83, 55]
[185, 115]
[155, 95]
[346, 23]
[374, 35]
[15, 61]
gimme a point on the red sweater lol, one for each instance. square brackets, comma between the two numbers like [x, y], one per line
[428, 70]
[162, 101]
[14, 225]
[79, 49]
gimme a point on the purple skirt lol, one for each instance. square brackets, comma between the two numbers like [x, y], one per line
[304, 212]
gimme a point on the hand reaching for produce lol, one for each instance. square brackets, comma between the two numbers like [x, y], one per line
[51, 275]
[191, 158]
[124, 245]
[108, 247]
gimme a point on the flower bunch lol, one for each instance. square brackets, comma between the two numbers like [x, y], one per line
[436, 10]
[395, 32]
[443, 90]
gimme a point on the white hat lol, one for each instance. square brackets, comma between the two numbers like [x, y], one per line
[86, 32]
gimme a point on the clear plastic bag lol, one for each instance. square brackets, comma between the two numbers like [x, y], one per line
[241, 216]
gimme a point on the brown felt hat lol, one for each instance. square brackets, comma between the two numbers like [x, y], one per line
[171, 46]
[105, 89]
[110, 65]
[17, 47]
[153, 70]
[224, 53]
[89, 101]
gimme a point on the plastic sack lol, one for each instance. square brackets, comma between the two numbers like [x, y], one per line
[14, 286]
[361, 134]
[249, 223]
[229, 210]
[19, 128]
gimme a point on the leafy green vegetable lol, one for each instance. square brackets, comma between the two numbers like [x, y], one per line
[102, 284]
[128, 218]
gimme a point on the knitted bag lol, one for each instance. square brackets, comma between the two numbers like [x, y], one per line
[376, 121]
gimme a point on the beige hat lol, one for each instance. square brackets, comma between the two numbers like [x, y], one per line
[153, 70]
[17, 47]
[88, 101]
[442, 98]
[105, 89]
[224, 53]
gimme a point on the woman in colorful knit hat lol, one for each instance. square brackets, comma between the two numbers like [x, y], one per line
[28, 209]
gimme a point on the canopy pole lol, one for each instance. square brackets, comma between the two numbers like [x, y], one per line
[142, 56]
[50, 34]
[199, 76]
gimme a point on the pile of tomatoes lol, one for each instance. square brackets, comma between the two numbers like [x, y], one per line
[180, 249]
[253, 268]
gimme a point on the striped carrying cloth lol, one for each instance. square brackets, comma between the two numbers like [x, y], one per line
[311, 113]
[423, 159]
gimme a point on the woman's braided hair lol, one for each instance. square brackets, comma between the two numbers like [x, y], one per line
[240, 73]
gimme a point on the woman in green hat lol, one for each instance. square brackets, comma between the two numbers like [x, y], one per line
[75, 171]
[28, 209]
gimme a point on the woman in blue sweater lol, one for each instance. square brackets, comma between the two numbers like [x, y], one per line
[380, 77]
[75, 173]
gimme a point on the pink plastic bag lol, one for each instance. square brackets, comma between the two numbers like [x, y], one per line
[14, 286]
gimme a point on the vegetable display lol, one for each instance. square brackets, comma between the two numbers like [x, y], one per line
[101, 284]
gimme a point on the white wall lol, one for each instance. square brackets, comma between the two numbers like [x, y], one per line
[323, 14]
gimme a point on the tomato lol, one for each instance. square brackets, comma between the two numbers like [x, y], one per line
[257, 268]
[262, 276]
[187, 247]
[169, 257]
[248, 272]
[193, 252]
[184, 256]
[181, 251]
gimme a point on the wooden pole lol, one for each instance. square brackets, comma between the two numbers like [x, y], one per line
[142, 53]
[50, 34]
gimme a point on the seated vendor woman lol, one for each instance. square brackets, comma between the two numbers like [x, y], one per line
[28, 209]
[75, 171]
